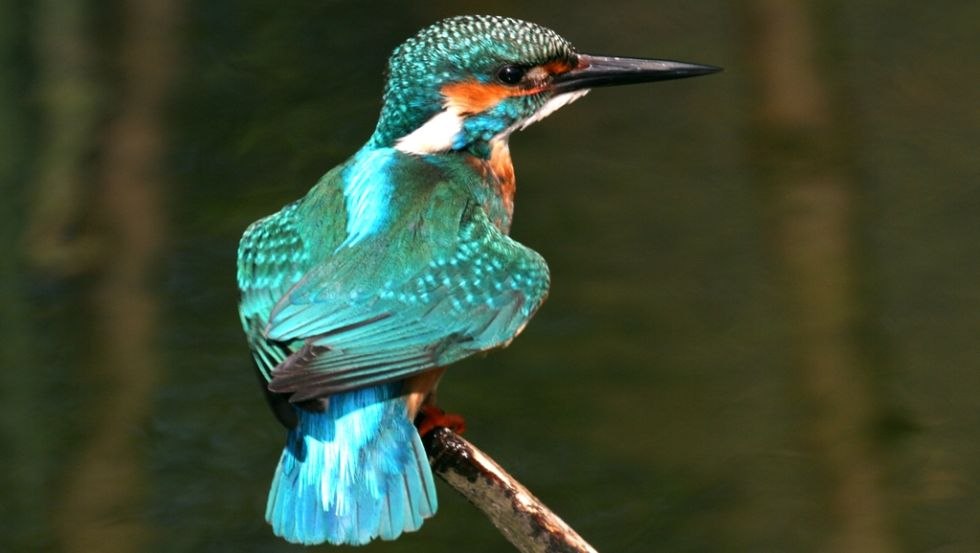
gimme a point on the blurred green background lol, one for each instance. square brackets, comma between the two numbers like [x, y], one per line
[763, 328]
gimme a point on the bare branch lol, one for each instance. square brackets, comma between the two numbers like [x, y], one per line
[526, 522]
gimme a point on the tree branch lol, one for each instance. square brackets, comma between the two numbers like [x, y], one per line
[526, 522]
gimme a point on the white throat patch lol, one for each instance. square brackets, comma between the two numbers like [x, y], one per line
[550, 107]
[439, 133]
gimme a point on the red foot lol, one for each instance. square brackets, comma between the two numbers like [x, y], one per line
[431, 417]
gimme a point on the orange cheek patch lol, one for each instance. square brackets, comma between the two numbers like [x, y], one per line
[471, 97]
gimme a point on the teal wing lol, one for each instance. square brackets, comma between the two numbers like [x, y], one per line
[272, 257]
[371, 316]
[275, 253]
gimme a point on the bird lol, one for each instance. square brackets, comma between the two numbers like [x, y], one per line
[397, 263]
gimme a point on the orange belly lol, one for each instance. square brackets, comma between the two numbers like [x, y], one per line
[419, 387]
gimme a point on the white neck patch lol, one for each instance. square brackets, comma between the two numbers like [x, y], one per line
[439, 133]
[436, 135]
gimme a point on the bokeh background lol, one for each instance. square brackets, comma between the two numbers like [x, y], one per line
[763, 328]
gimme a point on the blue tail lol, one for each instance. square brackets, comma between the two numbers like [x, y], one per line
[354, 472]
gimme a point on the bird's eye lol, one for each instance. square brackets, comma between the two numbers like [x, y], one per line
[510, 74]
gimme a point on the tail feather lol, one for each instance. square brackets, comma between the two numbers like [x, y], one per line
[352, 473]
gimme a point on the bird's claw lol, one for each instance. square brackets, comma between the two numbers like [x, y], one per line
[431, 417]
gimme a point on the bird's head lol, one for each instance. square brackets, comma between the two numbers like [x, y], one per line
[465, 81]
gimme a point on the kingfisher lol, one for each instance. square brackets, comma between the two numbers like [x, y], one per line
[397, 263]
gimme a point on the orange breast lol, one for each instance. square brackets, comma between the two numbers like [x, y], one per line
[503, 169]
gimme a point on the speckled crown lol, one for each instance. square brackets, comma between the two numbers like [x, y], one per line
[465, 39]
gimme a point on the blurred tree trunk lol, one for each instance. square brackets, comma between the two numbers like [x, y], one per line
[70, 97]
[801, 150]
[101, 506]
[25, 447]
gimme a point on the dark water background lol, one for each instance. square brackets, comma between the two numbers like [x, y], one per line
[764, 323]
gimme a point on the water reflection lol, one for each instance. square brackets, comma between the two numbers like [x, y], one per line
[761, 334]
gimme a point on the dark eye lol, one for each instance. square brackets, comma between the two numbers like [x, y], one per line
[510, 74]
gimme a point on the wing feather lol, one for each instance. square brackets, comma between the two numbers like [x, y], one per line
[477, 295]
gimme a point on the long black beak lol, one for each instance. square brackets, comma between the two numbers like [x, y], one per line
[594, 71]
